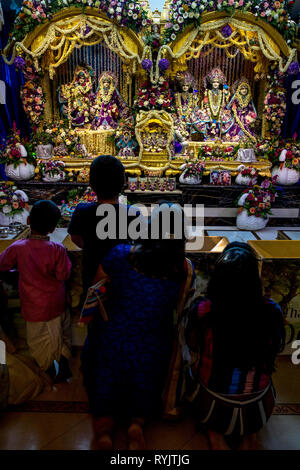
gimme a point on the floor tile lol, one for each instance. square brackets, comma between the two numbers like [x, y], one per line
[32, 431]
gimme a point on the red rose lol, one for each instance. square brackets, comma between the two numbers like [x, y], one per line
[289, 154]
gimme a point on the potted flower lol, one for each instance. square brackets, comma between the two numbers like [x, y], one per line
[192, 172]
[247, 176]
[255, 206]
[287, 164]
[18, 162]
[13, 205]
[51, 171]
[44, 145]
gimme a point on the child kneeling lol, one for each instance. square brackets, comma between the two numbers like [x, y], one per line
[43, 268]
[234, 335]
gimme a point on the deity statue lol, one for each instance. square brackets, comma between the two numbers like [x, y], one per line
[244, 111]
[76, 97]
[212, 119]
[154, 140]
[60, 148]
[187, 100]
[108, 106]
[126, 143]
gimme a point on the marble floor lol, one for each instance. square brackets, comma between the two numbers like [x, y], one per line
[72, 429]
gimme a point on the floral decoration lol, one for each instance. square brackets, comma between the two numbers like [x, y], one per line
[193, 169]
[11, 203]
[292, 160]
[58, 131]
[127, 13]
[32, 94]
[249, 172]
[51, 167]
[260, 198]
[74, 197]
[275, 104]
[189, 12]
[10, 150]
[158, 96]
[218, 154]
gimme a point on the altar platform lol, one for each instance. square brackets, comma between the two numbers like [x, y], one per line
[219, 201]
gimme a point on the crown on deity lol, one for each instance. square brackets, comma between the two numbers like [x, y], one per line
[187, 78]
[215, 75]
[241, 81]
[108, 76]
[87, 70]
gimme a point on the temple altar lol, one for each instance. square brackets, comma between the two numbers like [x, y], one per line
[208, 94]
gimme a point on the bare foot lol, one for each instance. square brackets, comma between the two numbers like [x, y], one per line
[136, 437]
[249, 442]
[217, 441]
[103, 428]
[104, 442]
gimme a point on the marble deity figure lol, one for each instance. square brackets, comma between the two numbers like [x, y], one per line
[212, 118]
[75, 97]
[108, 106]
[243, 110]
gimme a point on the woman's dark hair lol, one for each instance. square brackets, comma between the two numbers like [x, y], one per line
[107, 176]
[246, 333]
[44, 217]
[163, 256]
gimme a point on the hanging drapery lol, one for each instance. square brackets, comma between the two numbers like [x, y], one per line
[58, 39]
[257, 42]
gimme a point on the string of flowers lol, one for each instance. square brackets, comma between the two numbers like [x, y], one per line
[130, 14]
[259, 199]
[32, 95]
[11, 203]
[189, 12]
[275, 103]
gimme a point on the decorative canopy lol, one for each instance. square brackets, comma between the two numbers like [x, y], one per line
[55, 40]
[254, 38]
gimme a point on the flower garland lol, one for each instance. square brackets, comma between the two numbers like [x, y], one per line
[189, 12]
[130, 14]
[275, 104]
[157, 97]
[11, 203]
[32, 94]
[259, 199]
